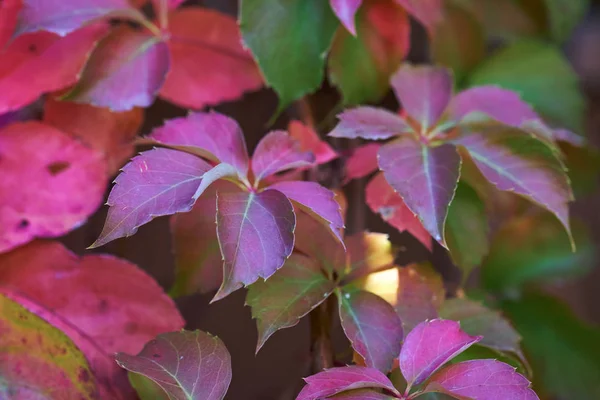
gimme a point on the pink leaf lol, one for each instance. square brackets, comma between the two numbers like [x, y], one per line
[63, 17]
[317, 201]
[370, 123]
[346, 12]
[373, 328]
[362, 394]
[424, 92]
[256, 236]
[278, 151]
[9, 10]
[427, 12]
[382, 199]
[221, 171]
[309, 141]
[482, 380]
[126, 70]
[27, 60]
[337, 380]
[429, 346]
[425, 178]
[51, 184]
[211, 135]
[198, 35]
[157, 182]
[186, 365]
[106, 131]
[362, 161]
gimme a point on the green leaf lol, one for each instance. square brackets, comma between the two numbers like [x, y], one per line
[146, 388]
[535, 247]
[289, 39]
[291, 293]
[562, 350]
[540, 73]
[560, 17]
[361, 66]
[38, 360]
[467, 230]
[583, 168]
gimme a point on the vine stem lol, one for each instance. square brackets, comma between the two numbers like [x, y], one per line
[321, 349]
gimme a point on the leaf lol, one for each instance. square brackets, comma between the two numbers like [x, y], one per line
[289, 39]
[427, 12]
[346, 10]
[425, 178]
[541, 74]
[155, 183]
[106, 131]
[186, 365]
[362, 161]
[476, 319]
[289, 295]
[277, 151]
[337, 380]
[317, 201]
[210, 135]
[561, 348]
[59, 186]
[126, 70]
[533, 248]
[482, 379]
[370, 123]
[66, 16]
[361, 65]
[198, 263]
[429, 346]
[9, 10]
[563, 16]
[362, 394]
[309, 141]
[467, 230]
[424, 92]
[197, 35]
[26, 59]
[39, 360]
[383, 200]
[513, 160]
[256, 236]
[372, 326]
[145, 388]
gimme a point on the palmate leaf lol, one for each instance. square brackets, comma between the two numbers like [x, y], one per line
[310, 141]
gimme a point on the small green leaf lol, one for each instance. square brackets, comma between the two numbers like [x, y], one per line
[289, 39]
[146, 388]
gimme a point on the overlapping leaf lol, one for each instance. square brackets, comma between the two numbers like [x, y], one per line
[309, 141]
[277, 152]
[346, 10]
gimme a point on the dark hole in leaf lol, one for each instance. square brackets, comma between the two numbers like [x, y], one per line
[23, 224]
[58, 167]
[156, 355]
[32, 48]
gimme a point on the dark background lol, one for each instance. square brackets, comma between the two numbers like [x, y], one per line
[276, 371]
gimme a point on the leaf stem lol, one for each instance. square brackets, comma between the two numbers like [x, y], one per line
[320, 337]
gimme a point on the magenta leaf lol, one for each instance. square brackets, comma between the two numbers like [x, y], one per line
[27, 59]
[317, 201]
[221, 171]
[429, 346]
[373, 328]
[513, 160]
[425, 177]
[427, 12]
[383, 200]
[256, 236]
[157, 182]
[195, 36]
[290, 294]
[362, 394]
[482, 380]
[277, 151]
[55, 183]
[337, 380]
[424, 92]
[310, 141]
[63, 17]
[370, 123]
[362, 161]
[346, 10]
[126, 70]
[211, 135]
[186, 365]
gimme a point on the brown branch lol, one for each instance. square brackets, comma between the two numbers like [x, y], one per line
[320, 336]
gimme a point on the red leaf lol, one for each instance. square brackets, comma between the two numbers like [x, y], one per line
[370, 123]
[157, 182]
[427, 12]
[346, 12]
[27, 60]
[362, 161]
[373, 328]
[337, 380]
[482, 380]
[106, 131]
[382, 199]
[256, 235]
[208, 63]
[309, 141]
[9, 9]
[362, 394]
[429, 346]
[186, 365]
[61, 183]
[126, 70]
